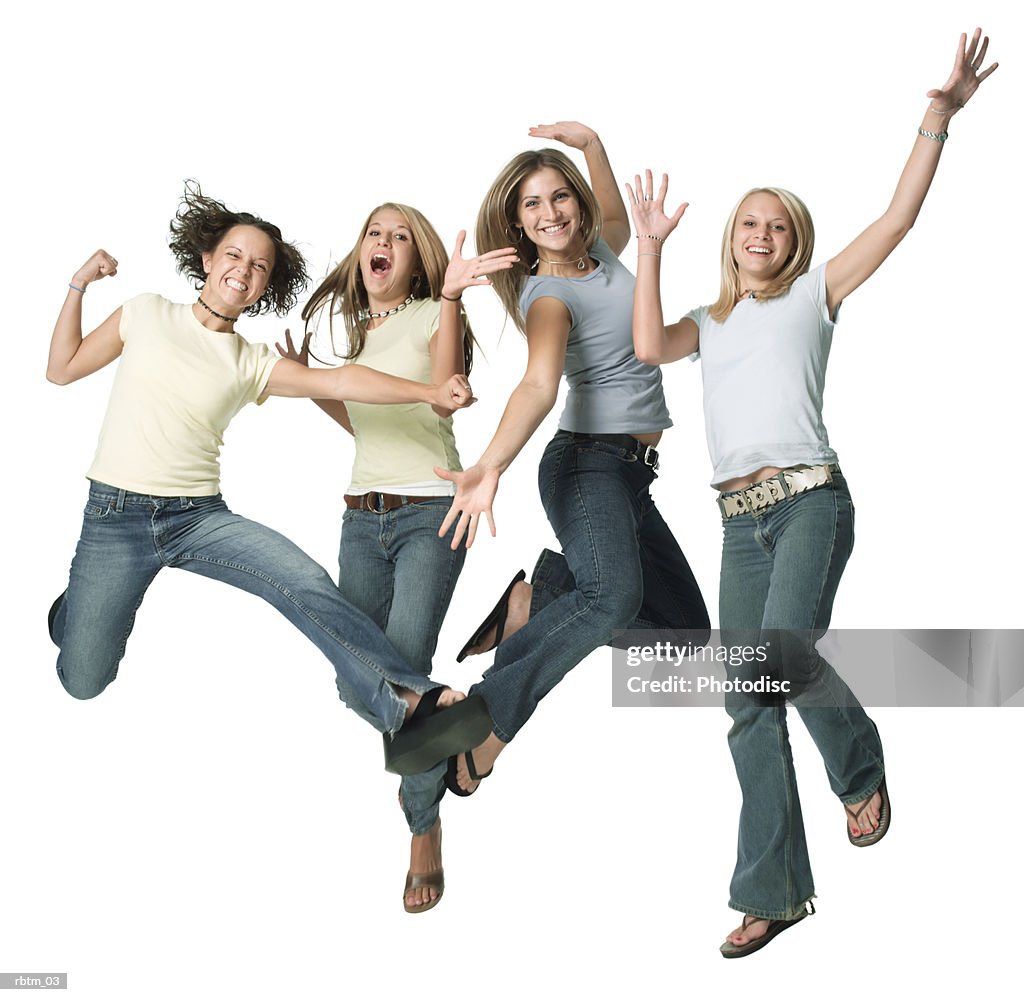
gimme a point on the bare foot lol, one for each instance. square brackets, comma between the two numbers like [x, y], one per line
[515, 619]
[863, 817]
[425, 860]
[752, 928]
[412, 699]
[484, 757]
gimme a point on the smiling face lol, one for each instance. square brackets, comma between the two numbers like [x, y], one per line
[388, 259]
[548, 210]
[238, 269]
[762, 239]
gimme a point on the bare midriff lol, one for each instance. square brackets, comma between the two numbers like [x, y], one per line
[648, 438]
[738, 483]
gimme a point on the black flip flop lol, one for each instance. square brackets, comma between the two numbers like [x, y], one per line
[451, 780]
[433, 734]
[730, 951]
[496, 617]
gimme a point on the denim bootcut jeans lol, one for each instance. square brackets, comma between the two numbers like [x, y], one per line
[620, 567]
[396, 569]
[780, 570]
[127, 538]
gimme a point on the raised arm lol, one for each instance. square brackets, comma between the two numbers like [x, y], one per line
[547, 332]
[853, 266]
[615, 229]
[332, 408]
[653, 342]
[71, 355]
[447, 346]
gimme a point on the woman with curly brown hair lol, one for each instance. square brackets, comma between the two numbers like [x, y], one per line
[154, 498]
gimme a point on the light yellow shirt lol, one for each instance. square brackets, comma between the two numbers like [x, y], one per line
[398, 445]
[177, 387]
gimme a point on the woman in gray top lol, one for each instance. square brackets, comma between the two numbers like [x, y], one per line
[620, 565]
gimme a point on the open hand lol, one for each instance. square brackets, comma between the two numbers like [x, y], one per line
[289, 351]
[966, 76]
[475, 491]
[573, 134]
[463, 273]
[649, 216]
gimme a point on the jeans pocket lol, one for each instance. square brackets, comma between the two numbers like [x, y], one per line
[97, 508]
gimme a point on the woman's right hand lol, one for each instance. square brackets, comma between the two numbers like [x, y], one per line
[474, 496]
[648, 208]
[574, 134]
[300, 355]
[453, 394]
[100, 265]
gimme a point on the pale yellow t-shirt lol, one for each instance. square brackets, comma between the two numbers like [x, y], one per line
[398, 445]
[177, 387]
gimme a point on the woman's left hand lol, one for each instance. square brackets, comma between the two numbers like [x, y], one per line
[300, 355]
[574, 134]
[463, 273]
[966, 76]
[649, 216]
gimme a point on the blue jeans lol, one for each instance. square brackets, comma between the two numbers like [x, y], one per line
[396, 569]
[780, 570]
[127, 538]
[620, 567]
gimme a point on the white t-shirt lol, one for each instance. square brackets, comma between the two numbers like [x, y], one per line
[764, 380]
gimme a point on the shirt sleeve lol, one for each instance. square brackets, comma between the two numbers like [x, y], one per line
[698, 316]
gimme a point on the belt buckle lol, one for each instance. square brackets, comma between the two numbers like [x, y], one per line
[380, 498]
[650, 457]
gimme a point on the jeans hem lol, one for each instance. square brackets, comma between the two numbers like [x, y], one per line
[772, 916]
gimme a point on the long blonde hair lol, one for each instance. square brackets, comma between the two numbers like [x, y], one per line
[799, 261]
[343, 294]
[496, 226]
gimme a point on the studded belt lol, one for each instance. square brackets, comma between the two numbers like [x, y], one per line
[785, 484]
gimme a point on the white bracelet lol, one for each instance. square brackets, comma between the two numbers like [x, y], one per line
[650, 236]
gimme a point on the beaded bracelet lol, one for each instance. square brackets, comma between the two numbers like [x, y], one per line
[650, 236]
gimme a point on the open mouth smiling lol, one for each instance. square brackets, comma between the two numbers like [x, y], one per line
[380, 264]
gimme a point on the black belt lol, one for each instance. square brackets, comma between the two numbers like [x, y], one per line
[647, 454]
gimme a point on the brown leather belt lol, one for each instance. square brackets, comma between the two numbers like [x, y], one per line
[380, 503]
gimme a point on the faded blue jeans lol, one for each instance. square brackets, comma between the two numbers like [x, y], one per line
[780, 570]
[396, 569]
[128, 538]
[620, 567]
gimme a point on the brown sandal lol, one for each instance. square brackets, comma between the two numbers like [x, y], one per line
[731, 951]
[434, 879]
[884, 817]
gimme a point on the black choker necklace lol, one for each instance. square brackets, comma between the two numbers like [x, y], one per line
[219, 316]
[389, 313]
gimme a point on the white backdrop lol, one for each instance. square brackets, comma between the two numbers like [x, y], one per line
[217, 825]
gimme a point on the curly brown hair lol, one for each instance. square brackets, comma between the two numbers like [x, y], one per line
[200, 224]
